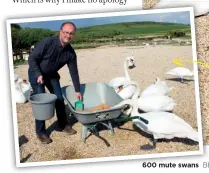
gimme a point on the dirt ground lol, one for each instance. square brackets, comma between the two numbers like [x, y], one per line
[101, 65]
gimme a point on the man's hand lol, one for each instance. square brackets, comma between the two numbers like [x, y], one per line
[40, 80]
[78, 95]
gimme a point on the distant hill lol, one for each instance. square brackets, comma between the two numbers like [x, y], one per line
[129, 29]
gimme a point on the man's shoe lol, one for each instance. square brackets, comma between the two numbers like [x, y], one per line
[45, 139]
[69, 130]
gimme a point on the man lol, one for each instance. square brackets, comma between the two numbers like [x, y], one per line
[48, 56]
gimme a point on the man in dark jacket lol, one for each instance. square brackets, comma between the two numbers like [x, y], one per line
[48, 56]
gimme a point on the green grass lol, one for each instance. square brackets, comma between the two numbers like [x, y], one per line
[19, 62]
[118, 34]
[135, 29]
[85, 46]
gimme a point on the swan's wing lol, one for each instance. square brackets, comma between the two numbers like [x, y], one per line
[155, 89]
[171, 72]
[159, 123]
[181, 121]
[116, 82]
[19, 97]
[150, 90]
[179, 72]
[156, 103]
[185, 72]
[167, 104]
[149, 103]
[166, 123]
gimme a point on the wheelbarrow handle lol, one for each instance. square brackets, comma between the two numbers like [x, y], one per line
[131, 118]
[144, 120]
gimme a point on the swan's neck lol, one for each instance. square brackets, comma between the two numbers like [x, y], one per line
[135, 109]
[136, 94]
[19, 88]
[139, 100]
[126, 70]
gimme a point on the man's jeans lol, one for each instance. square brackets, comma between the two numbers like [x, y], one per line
[53, 85]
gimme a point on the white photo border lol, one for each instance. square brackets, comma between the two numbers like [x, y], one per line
[96, 15]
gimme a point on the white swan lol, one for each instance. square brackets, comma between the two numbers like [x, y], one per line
[180, 72]
[158, 88]
[19, 95]
[161, 124]
[129, 62]
[200, 7]
[150, 102]
[22, 90]
[156, 103]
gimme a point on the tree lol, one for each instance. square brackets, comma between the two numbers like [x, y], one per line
[31, 36]
[15, 31]
[176, 33]
[24, 38]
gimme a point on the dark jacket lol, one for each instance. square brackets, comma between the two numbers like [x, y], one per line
[49, 56]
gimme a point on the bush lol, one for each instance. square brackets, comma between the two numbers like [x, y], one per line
[176, 33]
[19, 62]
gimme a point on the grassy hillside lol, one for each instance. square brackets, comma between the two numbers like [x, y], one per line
[120, 33]
[131, 29]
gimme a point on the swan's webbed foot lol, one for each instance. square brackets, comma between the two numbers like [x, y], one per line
[154, 143]
[148, 147]
[182, 81]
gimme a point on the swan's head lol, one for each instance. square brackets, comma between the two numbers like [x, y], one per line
[192, 73]
[157, 80]
[18, 83]
[16, 77]
[130, 62]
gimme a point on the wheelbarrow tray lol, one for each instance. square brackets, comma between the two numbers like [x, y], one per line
[93, 94]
